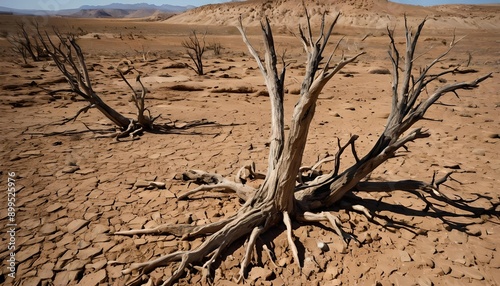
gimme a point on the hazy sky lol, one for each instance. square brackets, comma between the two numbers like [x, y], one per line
[69, 4]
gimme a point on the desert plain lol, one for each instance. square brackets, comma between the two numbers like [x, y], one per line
[74, 189]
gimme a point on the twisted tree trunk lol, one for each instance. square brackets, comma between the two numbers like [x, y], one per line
[280, 197]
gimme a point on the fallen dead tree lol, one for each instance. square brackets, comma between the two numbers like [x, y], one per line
[289, 191]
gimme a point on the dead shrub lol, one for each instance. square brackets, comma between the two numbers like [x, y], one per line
[183, 87]
[241, 89]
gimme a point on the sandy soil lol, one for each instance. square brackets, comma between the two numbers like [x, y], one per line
[74, 191]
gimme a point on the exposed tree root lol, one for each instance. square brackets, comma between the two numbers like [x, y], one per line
[289, 236]
[246, 221]
[289, 191]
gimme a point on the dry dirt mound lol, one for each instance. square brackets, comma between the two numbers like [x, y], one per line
[366, 13]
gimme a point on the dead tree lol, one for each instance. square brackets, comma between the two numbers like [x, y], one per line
[69, 59]
[27, 44]
[280, 198]
[195, 48]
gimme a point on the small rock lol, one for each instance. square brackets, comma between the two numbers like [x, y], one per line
[70, 169]
[159, 185]
[405, 257]
[141, 184]
[479, 152]
[154, 156]
[322, 246]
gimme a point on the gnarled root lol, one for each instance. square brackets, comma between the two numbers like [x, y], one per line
[247, 220]
[212, 181]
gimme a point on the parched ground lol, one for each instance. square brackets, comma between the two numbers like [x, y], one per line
[73, 190]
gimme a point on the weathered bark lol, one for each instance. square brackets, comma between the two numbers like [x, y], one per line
[274, 200]
[280, 198]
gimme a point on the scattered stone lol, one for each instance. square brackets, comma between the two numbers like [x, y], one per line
[405, 256]
[70, 169]
[77, 224]
[479, 152]
[323, 246]
[154, 156]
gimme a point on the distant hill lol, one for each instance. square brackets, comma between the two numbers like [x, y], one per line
[377, 14]
[115, 10]
[139, 6]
